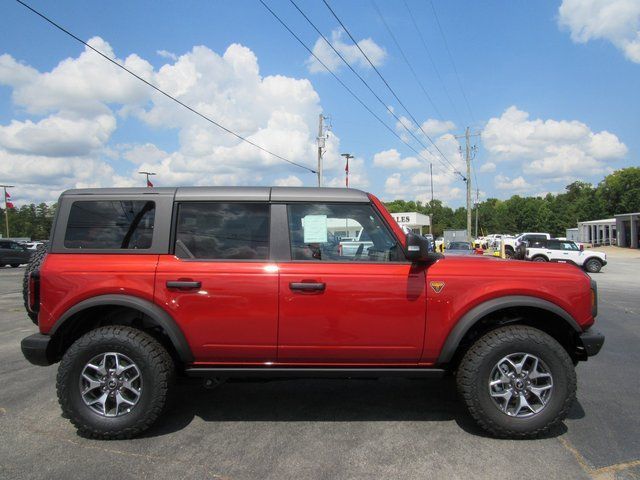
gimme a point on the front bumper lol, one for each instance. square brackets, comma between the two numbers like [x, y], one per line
[37, 349]
[590, 342]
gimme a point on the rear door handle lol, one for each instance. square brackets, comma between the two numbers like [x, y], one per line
[183, 284]
[307, 286]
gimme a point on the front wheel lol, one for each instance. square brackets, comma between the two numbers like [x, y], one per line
[113, 382]
[517, 382]
[593, 265]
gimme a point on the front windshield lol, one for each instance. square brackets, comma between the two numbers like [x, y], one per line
[459, 246]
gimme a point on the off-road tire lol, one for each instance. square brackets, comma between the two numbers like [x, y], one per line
[14, 265]
[539, 258]
[156, 367]
[593, 265]
[32, 266]
[509, 253]
[474, 372]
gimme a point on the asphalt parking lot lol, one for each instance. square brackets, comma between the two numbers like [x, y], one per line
[332, 429]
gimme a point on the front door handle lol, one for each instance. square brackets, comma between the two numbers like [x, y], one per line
[307, 286]
[183, 284]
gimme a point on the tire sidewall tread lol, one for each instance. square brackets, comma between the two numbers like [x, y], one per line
[475, 368]
[156, 367]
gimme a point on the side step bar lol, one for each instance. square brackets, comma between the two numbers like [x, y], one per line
[307, 372]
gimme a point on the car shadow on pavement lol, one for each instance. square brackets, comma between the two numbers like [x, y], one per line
[321, 400]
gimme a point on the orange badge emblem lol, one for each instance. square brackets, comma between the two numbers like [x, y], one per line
[437, 286]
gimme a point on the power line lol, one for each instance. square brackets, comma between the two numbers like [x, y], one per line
[453, 63]
[433, 63]
[406, 60]
[388, 86]
[237, 135]
[344, 85]
[382, 102]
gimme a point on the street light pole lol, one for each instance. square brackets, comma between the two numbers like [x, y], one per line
[6, 210]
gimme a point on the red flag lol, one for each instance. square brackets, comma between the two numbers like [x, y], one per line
[346, 169]
[149, 184]
[8, 201]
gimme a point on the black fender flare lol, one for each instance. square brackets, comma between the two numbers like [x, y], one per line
[153, 311]
[478, 312]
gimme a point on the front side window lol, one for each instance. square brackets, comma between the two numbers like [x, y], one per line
[110, 224]
[569, 246]
[223, 231]
[313, 232]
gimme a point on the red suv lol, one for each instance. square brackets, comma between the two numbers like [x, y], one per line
[140, 285]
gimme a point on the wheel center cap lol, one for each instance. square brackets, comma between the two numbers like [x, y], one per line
[112, 384]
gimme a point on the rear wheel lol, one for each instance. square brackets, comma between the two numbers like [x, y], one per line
[113, 382]
[593, 265]
[517, 382]
[539, 258]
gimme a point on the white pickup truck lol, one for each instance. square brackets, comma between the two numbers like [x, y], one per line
[511, 244]
[566, 251]
[355, 247]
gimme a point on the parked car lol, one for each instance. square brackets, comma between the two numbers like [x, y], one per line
[14, 254]
[32, 245]
[460, 248]
[566, 251]
[356, 247]
[140, 285]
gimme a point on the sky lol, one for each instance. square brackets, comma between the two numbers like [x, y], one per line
[552, 89]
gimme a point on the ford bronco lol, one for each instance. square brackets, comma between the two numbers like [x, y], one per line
[139, 286]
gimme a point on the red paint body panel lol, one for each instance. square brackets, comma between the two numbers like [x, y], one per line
[67, 279]
[368, 313]
[233, 317]
[470, 281]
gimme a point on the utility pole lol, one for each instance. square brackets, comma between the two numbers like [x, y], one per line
[477, 203]
[6, 210]
[468, 150]
[149, 184]
[431, 205]
[322, 142]
[347, 156]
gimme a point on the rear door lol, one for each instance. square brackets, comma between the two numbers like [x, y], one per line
[219, 285]
[365, 308]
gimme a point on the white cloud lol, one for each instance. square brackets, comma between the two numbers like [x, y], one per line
[488, 167]
[290, 181]
[515, 185]
[392, 159]
[617, 21]
[74, 108]
[433, 126]
[349, 51]
[148, 152]
[551, 149]
[358, 177]
[167, 54]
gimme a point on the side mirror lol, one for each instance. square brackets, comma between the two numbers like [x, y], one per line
[417, 249]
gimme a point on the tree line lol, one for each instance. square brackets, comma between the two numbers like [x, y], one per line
[31, 221]
[617, 193]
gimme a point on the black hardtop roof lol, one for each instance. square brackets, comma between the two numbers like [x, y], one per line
[239, 194]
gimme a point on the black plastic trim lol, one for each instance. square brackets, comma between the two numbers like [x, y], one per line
[279, 234]
[591, 341]
[305, 372]
[475, 314]
[35, 349]
[157, 314]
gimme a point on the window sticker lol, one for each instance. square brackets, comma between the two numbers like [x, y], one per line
[315, 228]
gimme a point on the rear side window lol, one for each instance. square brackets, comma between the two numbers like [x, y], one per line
[223, 231]
[112, 224]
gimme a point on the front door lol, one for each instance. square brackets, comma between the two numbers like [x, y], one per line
[345, 301]
[220, 286]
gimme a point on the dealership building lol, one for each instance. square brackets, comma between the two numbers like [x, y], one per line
[414, 221]
[623, 230]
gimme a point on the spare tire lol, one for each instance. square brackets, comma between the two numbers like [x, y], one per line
[34, 264]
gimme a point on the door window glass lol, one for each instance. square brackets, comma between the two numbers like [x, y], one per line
[569, 246]
[117, 224]
[313, 232]
[223, 231]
